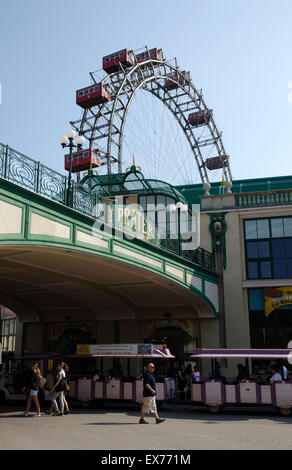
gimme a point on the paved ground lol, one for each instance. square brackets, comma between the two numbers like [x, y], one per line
[115, 428]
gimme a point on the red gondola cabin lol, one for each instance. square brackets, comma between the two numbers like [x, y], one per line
[200, 118]
[110, 63]
[81, 160]
[181, 78]
[152, 54]
[92, 95]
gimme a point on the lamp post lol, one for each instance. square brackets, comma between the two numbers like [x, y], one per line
[68, 141]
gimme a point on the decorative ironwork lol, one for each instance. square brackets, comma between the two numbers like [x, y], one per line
[32, 175]
[21, 170]
[52, 184]
[84, 201]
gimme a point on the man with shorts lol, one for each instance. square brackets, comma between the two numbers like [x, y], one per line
[149, 392]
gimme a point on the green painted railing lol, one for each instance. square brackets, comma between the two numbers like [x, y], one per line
[34, 176]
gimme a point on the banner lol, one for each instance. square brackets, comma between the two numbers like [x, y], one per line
[277, 297]
[115, 349]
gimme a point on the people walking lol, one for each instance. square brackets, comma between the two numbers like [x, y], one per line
[32, 387]
[149, 396]
[58, 391]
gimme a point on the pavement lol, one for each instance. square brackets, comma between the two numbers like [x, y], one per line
[116, 427]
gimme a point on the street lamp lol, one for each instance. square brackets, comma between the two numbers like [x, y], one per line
[67, 141]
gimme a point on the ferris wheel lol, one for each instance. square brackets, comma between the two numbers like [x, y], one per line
[142, 104]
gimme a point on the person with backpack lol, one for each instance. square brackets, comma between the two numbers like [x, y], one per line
[58, 390]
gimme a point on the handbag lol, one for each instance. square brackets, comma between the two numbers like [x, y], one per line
[43, 381]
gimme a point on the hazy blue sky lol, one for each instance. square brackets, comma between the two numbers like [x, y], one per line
[238, 52]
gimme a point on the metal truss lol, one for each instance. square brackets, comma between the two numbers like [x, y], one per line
[106, 122]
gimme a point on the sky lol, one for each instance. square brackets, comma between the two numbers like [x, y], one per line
[238, 52]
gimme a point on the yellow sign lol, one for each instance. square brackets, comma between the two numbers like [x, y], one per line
[277, 297]
[83, 349]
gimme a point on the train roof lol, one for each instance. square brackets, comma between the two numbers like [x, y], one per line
[241, 353]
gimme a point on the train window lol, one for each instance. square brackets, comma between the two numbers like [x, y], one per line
[91, 90]
[86, 155]
[80, 93]
[85, 92]
[96, 88]
[107, 59]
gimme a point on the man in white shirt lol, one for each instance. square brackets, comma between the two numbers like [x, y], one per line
[276, 377]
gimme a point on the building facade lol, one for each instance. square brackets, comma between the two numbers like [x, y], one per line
[68, 286]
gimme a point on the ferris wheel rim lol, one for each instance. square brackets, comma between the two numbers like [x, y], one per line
[196, 99]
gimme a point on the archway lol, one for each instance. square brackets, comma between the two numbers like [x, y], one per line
[176, 339]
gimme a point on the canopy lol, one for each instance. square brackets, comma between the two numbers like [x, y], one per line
[242, 353]
[163, 353]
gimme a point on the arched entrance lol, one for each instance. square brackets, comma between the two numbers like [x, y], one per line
[177, 340]
[66, 344]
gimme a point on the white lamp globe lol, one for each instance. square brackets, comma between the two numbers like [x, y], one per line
[71, 134]
[80, 140]
[64, 140]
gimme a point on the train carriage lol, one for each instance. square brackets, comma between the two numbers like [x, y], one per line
[81, 160]
[92, 95]
[110, 63]
[216, 394]
[127, 388]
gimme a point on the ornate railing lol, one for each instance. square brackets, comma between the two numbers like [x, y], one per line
[264, 198]
[36, 177]
[32, 175]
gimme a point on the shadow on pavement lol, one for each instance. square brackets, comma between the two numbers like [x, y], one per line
[171, 412]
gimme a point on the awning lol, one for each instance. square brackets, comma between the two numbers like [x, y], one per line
[242, 353]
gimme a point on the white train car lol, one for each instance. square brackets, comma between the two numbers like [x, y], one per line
[217, 393]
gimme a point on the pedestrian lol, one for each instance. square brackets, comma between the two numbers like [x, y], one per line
[32, 387]
[149, 393]
[182, 381]
[58, 390]
[66, 369]
[172, 371]
[196, 374]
